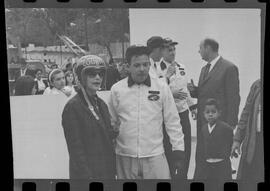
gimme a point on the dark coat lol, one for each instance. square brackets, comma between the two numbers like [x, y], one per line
[89, 141]
[246, 131]
[218, 144]
[222, 84]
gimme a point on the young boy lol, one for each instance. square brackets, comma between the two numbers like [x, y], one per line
[218, 139]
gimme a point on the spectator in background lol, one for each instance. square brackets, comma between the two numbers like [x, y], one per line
[40, 83]
[25, 85]
[122, 69]
[57, 81]
[23, 69]
[69, 67]
[112, 76]
[70, 81]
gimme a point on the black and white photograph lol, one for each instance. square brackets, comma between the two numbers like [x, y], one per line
[136, 94]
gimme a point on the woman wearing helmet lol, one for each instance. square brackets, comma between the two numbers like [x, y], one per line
[86, 123]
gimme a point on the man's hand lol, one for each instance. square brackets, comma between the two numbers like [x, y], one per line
[179, 157]
[194, 114]
[191, 86]
[235, 149]
[171, 70]
[180, 95]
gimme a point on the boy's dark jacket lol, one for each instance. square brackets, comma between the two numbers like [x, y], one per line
[89, 141]
[218, 144]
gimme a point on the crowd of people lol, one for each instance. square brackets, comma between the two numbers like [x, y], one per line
[59, 81]
[144, 131]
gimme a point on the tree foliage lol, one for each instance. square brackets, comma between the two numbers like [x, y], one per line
[41, 25]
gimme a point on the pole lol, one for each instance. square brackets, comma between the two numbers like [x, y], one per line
[86, 32]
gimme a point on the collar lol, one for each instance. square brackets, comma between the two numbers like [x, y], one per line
[213, 62]
[146, 82]
[167, 63]
[152, 62]
[210, 129]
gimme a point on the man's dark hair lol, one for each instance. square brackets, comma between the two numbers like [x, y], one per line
[38, 70]
[212, 101]
[136, 51]
[212, 43]
[24, 85]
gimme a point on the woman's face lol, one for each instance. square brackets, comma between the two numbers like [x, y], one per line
[70, 78]
[94, 79]
[38, 75]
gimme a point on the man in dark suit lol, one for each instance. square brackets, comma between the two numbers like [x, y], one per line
[219, 79]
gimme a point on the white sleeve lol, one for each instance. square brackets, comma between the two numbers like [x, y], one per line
[112, 105]
[172, 121]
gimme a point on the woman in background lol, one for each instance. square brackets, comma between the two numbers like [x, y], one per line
[70, 81]
[25, 85]
[41, 84]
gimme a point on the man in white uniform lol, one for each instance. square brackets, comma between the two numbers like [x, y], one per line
[175, 75]
[139, 105]
[155, 44]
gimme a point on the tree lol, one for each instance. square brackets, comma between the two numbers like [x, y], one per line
[41, 25]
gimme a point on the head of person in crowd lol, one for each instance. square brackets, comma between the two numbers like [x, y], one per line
[54, 66]
[155, 44]
[69, 77]
[211, 111]
[169, 50]
[25, 85]
[69, 67]
[209, 49]
[122, 69]
[90, 71]
[38, 74]
[30, 72]
[138, 61]
[57, 79]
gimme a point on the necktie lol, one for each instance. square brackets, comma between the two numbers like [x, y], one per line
[207, 68]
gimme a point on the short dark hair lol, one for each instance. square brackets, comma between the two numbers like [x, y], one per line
[38, 70]
[136, 51]
[212, 101]
[212, 43]
[24, 85]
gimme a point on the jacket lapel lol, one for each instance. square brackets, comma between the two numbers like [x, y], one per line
[212, 72]
[201, 76]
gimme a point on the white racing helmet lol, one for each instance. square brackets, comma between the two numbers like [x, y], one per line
[89, 62]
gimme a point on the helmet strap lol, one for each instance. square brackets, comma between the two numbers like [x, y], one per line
[90, 106]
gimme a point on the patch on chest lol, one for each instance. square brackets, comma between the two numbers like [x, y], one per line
[182, 73]
[153, 97]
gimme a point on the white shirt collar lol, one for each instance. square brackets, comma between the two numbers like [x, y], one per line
[210, 129]
[213, 62]
[167, 63]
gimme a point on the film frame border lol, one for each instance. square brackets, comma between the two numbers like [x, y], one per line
[194, 185]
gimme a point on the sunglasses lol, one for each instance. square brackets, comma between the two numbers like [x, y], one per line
[94, 73]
